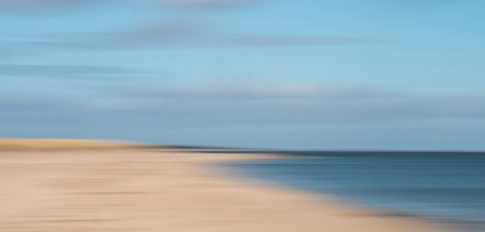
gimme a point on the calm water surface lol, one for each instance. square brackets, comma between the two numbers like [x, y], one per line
[443, 186]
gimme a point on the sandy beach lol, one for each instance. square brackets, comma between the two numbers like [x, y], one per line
[126, 189]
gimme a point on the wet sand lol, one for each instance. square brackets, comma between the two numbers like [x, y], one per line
[165, 190]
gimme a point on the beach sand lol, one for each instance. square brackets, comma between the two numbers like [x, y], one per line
[165, 190]
[14, 144]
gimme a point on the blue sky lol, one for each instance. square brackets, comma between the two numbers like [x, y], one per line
[306, 74]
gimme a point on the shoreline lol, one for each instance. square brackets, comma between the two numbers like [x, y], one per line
[167, 190]
[364, 208]
[358, 207]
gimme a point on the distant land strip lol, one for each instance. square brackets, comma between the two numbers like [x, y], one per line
[14, 144]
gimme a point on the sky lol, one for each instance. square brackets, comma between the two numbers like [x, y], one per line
[283, 74]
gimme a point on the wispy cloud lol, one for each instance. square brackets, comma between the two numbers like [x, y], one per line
[245, 103]
[183, 34]
[180, 3]
[202, 3]
[79, 72]
[288, 103]
[55, 3]
[41, 3]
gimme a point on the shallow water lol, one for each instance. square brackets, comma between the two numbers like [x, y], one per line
[442, 186]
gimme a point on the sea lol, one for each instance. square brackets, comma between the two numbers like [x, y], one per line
[447, 187]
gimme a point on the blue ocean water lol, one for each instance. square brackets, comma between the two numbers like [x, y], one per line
[442, 186]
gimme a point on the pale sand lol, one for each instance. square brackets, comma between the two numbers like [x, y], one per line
[14, 144]
[132, 190]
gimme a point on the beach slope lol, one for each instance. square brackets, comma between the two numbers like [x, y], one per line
[164, 190]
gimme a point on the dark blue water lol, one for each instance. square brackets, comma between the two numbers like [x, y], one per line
[443, 186]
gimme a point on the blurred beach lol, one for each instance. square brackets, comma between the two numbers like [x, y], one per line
[187, 115]
[129, 188]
